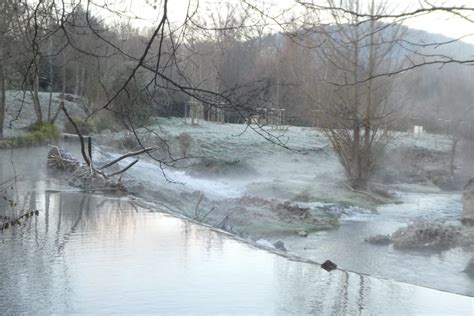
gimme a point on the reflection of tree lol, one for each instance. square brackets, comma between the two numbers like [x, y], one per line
[187, 236]
[336, 293]
[60, 212]
[26, 263]
[97, 214]
[85, 201]
[342, 299]
[361, 301]
[34, 257]
[305, 288]
[201, 237]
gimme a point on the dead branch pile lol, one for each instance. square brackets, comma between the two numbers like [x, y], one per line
[87, 175]
[62, 160]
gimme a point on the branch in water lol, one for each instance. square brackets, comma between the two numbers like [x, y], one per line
[124, 169]
[130, 154]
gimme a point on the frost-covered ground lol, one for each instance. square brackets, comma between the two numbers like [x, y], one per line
[308, 171]
[20, 112]
[266, 169]
[232, 165]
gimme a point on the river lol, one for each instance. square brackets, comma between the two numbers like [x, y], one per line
[90, 253]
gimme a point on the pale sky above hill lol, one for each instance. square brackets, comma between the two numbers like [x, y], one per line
[437, 22]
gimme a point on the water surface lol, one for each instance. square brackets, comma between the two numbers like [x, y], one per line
[90, 254]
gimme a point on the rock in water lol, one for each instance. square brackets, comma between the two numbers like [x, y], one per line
[379, 240]
[328, 265]
[470, 268]
[303, 234]
[468, 203]
[265, 243]
[280, 245]
[426, 235]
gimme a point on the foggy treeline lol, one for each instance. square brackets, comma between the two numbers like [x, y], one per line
[71, 50]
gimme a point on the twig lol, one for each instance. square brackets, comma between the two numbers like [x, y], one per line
[205, 215]
[123, 170]
[196, 209]
[130, 154]
[89, 147]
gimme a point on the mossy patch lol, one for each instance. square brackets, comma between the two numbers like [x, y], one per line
[37, 134]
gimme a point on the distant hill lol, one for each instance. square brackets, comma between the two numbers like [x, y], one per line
[454, 48]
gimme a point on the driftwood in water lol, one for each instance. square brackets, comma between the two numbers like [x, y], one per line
[62, 160]
[87, 175]
[127, 155]
[80, 174]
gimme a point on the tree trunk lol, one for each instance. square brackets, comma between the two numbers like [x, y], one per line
[2, 98]
[357, 179]
[63, 90]
[76, 84]
[366, 153]
[2, 83]
[50, 61]
[35, 97]
[83, 78]
[452, 156]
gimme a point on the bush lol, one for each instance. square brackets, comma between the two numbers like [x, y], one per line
[43, 131]
[185, 140]
[104, 121]
[38, 133]
[129, 141]
[85, 127]
[136, 103]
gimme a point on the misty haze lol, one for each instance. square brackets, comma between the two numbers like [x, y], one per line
[237, 157]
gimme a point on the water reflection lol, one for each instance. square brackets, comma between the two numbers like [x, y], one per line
[92, 254]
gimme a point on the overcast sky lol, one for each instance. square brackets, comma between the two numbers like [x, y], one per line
[439, 22]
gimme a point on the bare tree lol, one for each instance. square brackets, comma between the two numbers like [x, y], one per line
[356, 106]
[7, 9]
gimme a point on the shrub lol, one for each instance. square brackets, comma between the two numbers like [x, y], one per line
[129, 141]
[38, 133]
[104, 121]
[136, 103]
[85, 127]
[43, 131]
[185, 140]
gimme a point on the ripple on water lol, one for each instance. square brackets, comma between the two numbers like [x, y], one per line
[87, 254]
